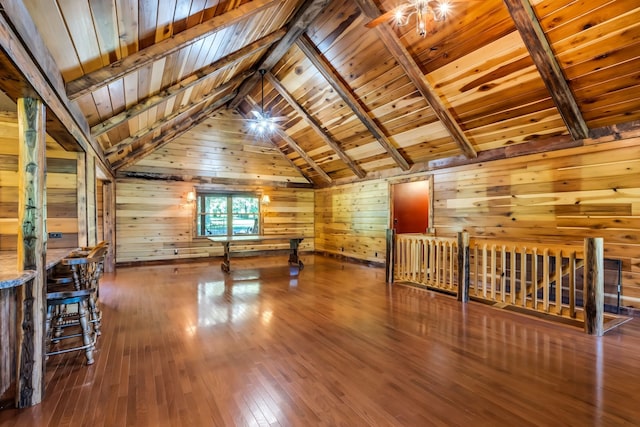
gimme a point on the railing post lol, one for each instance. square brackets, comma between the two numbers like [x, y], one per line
[594, 286]
[463, 266]
[391, 244]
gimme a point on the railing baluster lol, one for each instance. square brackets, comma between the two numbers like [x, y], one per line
[545, 273]
[484, 271]
[512, 287]
[503, 273]
[493, 272]
[534, 278]
[475, 270]
[559, 282]
[572, 284]
[523, 276]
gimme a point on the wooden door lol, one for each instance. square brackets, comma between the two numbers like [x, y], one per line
[411, 207]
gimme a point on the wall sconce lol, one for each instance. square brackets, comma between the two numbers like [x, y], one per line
[191, 197]
[265, 200]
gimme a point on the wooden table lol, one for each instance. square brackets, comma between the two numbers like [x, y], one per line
[226, 241]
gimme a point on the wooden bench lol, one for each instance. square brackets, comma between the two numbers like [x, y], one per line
[227, 241]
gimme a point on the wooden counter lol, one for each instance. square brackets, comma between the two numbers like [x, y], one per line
[10, 277]
[10, 280]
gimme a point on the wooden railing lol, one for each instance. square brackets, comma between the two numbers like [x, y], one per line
[541, 278]
[427, 260]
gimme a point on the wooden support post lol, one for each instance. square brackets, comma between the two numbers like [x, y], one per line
[391, 244]
[31, 252]
[463, 266]
[594, 286]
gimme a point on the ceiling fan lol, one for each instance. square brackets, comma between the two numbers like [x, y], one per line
[263, 125]
[427, 13]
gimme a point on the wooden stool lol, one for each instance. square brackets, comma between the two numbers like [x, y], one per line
[77, 288]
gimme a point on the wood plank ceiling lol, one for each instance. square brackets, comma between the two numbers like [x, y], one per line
[356, 100]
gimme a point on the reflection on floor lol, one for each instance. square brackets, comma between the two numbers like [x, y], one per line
[187, 345]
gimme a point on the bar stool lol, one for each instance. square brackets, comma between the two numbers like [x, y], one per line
[78, 289]
[84, 268]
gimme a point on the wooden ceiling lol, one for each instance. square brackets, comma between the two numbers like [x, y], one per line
[356, 100]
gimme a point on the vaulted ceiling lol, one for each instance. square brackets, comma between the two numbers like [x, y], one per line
[357, 96]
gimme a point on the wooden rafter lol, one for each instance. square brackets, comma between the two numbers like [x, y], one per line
[294, 145]
[305, 15]
[184, 124]
[21, 75]
[347, 95]
[406, 61]
[230, 85]
[192, 80]
[102, 77]
[536, 42]
[315, 125]
[122, 145]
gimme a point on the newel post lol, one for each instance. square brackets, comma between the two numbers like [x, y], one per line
[463, 266]
[594, 286]
[31, 252]
[391, 244]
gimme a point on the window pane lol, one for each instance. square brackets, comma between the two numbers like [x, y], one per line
[224, 214]
[245, 215]
[212, 215]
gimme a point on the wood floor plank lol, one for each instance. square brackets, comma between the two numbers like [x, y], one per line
[187, 345]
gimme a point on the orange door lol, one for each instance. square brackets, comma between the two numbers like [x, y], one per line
[411, 207]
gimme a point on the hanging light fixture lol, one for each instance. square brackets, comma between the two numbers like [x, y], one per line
[424, 10]
[263, 125]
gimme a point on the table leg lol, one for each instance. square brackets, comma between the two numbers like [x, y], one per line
[226, 262]
[293, 255]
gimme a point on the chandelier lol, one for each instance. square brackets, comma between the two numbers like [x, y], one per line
[424, 11]
[263, 125]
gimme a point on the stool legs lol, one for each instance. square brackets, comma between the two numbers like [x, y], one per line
[86, 332]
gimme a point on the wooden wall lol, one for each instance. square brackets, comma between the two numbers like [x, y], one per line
[154, 219]
[590, 191]
[351, 220]
[565, 196]
[62, 214]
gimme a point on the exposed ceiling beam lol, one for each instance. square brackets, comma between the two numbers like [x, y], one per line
[284, 156]
[294, 145]
[347, 95]
[23, 74]
[315, 126]
[406, 61]
[210, 180]
[534, 38]
[192, 80]
[105, 75]
[304, 16]
[122, 145]
[176, 130]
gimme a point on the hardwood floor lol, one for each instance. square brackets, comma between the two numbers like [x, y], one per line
[183, 345]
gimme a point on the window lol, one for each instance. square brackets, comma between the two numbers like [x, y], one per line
[220, 214]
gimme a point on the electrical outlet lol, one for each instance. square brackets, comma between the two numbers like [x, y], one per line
[175, 252]
[55, 235]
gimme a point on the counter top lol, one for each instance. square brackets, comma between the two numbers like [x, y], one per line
[10, 277]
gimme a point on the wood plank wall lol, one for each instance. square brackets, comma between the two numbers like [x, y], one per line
[590, 191]
[154, 219]
[351, 220]
[62, 215]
